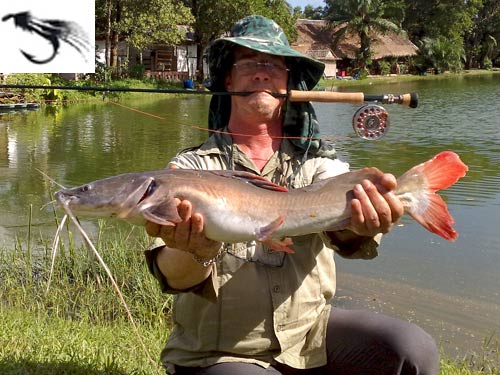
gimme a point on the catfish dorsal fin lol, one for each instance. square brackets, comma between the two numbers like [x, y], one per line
[251, 178]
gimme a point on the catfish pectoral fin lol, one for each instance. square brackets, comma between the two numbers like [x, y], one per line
[265, 233]
[164, 213]
[280, 245]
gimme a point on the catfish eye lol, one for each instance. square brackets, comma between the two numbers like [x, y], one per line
[85, 188]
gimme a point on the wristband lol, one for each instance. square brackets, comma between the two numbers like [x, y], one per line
[206, 263]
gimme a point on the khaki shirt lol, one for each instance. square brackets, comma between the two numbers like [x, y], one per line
[259, 305]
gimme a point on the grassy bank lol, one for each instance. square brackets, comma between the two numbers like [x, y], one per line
[79, 326]
[58, 96]
[40, 343]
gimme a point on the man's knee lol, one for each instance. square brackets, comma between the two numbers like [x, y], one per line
[366, 340]
[416, 349]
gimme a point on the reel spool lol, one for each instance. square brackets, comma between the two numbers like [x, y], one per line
[371, 122]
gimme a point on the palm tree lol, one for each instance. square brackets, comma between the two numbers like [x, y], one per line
[362, 18]
[442, 54]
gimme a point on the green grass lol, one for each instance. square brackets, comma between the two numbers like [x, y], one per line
[59, 96]
[79, 327]
[41, 343]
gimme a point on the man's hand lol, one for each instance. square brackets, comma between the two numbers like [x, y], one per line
[375, 208]
[188, 235]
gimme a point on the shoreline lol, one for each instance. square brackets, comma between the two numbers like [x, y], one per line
[393, 78]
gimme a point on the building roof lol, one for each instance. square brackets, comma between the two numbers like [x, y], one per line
[315, 37]
[314, 40]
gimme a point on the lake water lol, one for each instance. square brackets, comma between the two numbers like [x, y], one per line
[452, 289]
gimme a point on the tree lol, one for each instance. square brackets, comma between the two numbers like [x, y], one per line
[434, 18]
[279, 11]
[140, 22]
[482, 42]
[312, 13]
[297, 12]
[154, 21]
[214, 18]
[361, 17]
[443, 25]
[442, 54]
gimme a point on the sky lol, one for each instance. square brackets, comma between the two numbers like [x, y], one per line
[303, 3]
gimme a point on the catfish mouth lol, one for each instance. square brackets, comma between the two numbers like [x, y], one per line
[62, 198]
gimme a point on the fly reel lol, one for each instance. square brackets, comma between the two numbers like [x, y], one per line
[371, 122]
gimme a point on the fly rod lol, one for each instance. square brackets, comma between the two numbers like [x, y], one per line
[410, 100]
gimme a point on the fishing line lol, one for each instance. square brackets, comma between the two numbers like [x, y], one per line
[271, 136]
[310, 138]
[137, 110]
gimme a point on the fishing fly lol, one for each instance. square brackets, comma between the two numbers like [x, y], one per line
[53, 31]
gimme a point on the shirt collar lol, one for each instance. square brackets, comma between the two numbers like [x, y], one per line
[221, 143]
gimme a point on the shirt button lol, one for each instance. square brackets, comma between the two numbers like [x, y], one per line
[276, 289]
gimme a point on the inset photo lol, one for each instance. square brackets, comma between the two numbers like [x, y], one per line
[51, 36]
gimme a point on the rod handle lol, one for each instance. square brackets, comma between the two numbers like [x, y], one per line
[325, 96]
[409, 100]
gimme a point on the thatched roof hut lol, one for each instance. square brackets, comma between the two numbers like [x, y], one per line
[315, 35]
[315, 42]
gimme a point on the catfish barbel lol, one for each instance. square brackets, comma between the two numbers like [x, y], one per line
[240, 206]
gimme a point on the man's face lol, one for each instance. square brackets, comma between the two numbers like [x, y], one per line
[261, 74]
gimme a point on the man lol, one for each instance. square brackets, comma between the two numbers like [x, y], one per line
[246, 309]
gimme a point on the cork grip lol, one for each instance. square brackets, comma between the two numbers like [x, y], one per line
[325, 96]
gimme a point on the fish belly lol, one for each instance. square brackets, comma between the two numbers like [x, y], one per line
[230, 218]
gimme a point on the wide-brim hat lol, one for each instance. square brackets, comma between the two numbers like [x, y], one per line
[263, 35]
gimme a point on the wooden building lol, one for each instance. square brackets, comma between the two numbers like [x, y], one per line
[161, 61]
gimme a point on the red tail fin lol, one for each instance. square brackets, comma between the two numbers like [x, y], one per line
[442, 171]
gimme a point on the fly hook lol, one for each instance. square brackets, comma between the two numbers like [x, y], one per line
[51, 30]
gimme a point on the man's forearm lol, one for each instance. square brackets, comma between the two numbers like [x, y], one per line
[180, 269]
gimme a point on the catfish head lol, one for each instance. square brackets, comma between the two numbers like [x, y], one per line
[122, 196]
